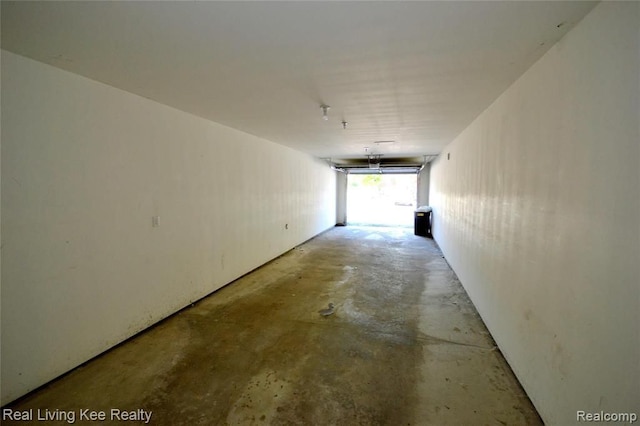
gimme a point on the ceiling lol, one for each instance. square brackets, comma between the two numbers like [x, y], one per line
[415, 73]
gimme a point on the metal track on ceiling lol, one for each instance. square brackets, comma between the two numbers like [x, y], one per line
[377, 165]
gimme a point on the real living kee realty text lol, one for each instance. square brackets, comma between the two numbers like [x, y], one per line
[71, 416]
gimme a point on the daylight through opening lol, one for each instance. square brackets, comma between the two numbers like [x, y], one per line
[381, 199]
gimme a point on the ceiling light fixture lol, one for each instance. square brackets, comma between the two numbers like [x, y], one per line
[325, 109]
[344, 125]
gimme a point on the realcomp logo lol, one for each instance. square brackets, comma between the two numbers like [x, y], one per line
[605, 417]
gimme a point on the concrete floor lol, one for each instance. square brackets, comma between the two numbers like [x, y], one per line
[405, 346]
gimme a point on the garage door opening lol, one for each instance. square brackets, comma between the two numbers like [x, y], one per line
[381, 199]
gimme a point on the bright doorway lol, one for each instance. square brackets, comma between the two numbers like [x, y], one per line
[381, 199]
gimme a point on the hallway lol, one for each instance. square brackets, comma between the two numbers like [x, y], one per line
[404, 346]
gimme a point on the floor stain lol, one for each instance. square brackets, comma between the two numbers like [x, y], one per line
[404, 345]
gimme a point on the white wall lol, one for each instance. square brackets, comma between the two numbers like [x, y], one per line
[341, 198]
[85, 167]
[423, 185]
[538, 213]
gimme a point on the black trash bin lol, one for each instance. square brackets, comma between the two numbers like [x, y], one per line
[422, 221]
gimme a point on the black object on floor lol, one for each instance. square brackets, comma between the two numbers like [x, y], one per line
[422, 221]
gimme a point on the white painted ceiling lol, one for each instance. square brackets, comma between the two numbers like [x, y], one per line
[416, 73]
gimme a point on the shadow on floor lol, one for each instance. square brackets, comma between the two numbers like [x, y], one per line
[404, 345]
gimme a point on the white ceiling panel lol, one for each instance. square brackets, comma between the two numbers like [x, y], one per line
[416, 73]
